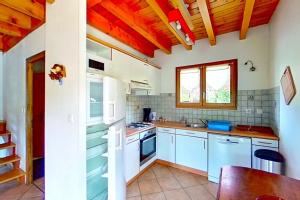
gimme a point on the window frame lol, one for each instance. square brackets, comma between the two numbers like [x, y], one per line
[233, 63]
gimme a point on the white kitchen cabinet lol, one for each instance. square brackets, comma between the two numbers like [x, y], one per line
[132, 159]
[191, 152]
[127, 68]
[166, 146]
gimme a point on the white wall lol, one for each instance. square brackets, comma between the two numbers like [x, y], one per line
[255, 48]
[14, 64]
[284, 51]
[65, 116]
[1, 86]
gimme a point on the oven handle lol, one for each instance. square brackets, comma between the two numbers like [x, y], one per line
[148, 138]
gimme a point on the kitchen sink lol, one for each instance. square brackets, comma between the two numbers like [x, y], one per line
[196, 125]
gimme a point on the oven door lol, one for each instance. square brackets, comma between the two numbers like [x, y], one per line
[147, 148]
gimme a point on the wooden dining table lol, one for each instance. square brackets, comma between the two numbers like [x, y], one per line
[239, 183]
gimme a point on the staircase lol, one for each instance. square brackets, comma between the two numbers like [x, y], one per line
[13, 160]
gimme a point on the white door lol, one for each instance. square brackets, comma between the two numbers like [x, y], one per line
[94, 99]
[191, 152]
[114, 100]
[132, 159]
[116, 175]
[166, 147]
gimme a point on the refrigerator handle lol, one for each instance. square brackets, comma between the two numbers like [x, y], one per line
[119, 133]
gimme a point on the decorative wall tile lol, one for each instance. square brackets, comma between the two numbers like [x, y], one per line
[250, 102]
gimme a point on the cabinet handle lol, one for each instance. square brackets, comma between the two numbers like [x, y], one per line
[172, 139]
[204, 144]
[138, 146]
[264, 142]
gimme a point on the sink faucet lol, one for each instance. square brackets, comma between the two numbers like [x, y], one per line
[183, 120]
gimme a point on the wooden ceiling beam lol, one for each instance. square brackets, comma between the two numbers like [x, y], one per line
[161, 14]
[10, 30]
[31, 8]
[249, 5]
[92, 3]
[180, 4]
[203, 8]
[14, 17]
[104, 25]
[125, 14]
[1, 43]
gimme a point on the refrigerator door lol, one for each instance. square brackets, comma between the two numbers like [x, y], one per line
[116, 175]
[114, 100]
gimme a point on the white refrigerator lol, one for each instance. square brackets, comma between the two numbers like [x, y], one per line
[106, 101]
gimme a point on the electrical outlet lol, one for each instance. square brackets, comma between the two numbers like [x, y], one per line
[259, 111]
[248, 110]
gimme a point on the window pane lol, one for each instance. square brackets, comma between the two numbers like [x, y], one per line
[218, 84]
[190, 85]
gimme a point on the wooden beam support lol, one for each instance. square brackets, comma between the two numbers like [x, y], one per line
[125, 14]
[203, 8]
[51, 1]
[157, 9]
[95, 39]
[14, 17]
[10, 30]
[104, 25]
[249, 5]
[180, 4]
[29, 7]
[1, 43]
[92, 3]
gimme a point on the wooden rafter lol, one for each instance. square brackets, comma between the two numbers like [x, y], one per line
[104, 25]
[137, 23]
[184, 11]
[1, 42]
[50, 1]
[92, 3]
[10, 30]
[157, 9]
[203, 8]
[14, 17]
[249, 5]
[28, 7]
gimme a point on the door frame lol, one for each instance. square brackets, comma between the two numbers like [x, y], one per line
[29, 114]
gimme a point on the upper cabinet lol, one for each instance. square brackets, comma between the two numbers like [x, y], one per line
[98, 50]
[127, 68]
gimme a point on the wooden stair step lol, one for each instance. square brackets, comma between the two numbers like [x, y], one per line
[9, 159]
[5, 133]
[7, 145]
[11, 175]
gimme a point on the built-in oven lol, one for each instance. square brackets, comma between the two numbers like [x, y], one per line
[147, 145]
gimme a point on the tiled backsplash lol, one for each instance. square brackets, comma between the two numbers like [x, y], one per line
[255, 107]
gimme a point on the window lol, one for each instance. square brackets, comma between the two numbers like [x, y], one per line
[210, 85]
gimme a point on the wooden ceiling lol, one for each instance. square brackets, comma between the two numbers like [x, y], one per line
[17, 19]
[143, 24]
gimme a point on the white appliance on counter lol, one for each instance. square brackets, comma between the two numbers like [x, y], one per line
[227, 150]
[106, 101]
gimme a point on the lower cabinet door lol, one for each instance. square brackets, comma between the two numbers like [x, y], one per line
[132, 160]
[166, 146]
[191, 152]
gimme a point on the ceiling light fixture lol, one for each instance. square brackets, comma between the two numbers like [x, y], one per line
[178, 26]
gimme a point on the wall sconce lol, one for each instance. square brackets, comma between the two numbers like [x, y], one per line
[252, 68]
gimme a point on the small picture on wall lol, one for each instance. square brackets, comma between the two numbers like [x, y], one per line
[288, 86]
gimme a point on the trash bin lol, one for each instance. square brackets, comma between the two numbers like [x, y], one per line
[269, 161]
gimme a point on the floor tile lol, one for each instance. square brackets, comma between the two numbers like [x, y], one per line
[149, 186]
[201, 179]
[133, 190]
[147, 175]
[187, 180]
[199, 193]
[177, 172]
[161, 172]
[15, 193]
[32, 193]
[176, 195]
[134, 198]
[168, 183]
[212, 188]
[40, 183]
[155, 196]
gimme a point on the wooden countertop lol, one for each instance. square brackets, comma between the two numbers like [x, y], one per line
[133, 131]
[234, 132]
[238, 183]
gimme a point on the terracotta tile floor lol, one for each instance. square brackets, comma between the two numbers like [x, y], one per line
[15, 191]
[167, 183]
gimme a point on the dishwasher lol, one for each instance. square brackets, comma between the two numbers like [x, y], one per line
[227, 150]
